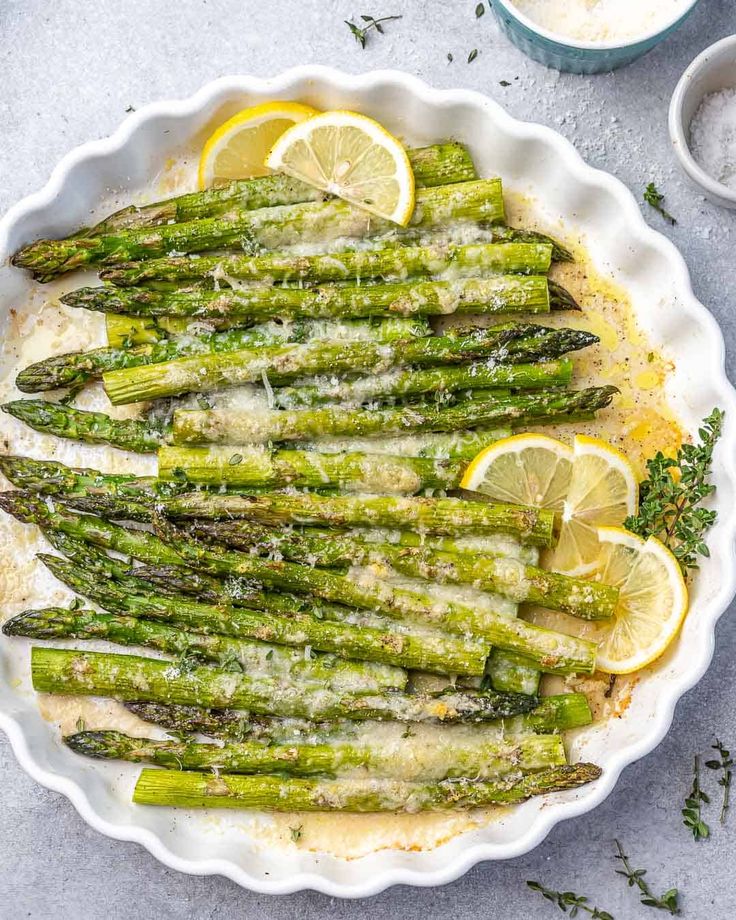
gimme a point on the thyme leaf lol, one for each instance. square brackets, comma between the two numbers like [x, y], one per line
[670, 497]
[725, 764]
[691, 813]
[654, 199]
[635, 877]
[570, 903]
[360, 33]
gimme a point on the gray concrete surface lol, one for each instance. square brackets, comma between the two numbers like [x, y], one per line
[68, 71]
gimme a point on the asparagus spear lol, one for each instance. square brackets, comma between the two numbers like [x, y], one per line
[552, 714]
[427, 650]
[75, 368]
[398, 383]
[129, 677]
[274, 793]
[508, 577]
[455, 445]
[510, 343]
[230, 426]
[552, 652]
[84, 487]
[140, 544]
[272, 228]
[507, 673]
[261, 301]
[81, 425]
[248, 467]
[449, 516]
[390, 263]
[407, 758]
[440, 164]
[237, 467]
[252, 657]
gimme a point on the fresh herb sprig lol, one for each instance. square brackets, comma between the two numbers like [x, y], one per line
[635, 877]
[670, 497]
[691, 813]
[570, 903]
[725, 764]
[360, 33]
[654, 199]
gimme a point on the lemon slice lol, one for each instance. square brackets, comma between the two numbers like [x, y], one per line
[652, 602]
[603, 491]
[527, 469]
[238, 148]
[353, 157]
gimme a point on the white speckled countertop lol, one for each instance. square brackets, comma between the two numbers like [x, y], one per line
[68, 72]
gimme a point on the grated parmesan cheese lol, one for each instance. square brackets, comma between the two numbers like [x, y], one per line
[601, 20]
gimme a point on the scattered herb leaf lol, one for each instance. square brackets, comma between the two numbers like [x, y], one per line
[668, 901]
[654, 198]
[504, 83]
[179, 473]
[360, 33]
[725, 764]
[450, 58]
[296, 833]
[691, 812]
[81, 724]
[235, 459]
[570, 903]
[130, 108]
[669, 498]
[76, 604]
[473, 55]
[479, 10]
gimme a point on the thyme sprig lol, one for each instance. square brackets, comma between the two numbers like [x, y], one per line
[570, 903]
[691, 813]
[360, 33]
[635, 877]
[670, 497]
[725, 764]
[654, 199]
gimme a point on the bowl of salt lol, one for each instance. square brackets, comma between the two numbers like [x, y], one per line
[702, 122]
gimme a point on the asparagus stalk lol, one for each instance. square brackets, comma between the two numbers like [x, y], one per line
[455, 445]
[274, 793]
[82, 425]
[508, 577]
[236, 467]
[398, 383]
[449, 516]
[231, 426]
[129, 677]
[390, 263]
[76, 368]
[248, 467]
[252, 657]
[262, 301]
[140, 544]
[552, 652]
[407, 758]
[126, 331]
[86, 488]
[510, 343]
[426, 650]
[553, 714]
[506, 674]
[440, 164]
[272, 228]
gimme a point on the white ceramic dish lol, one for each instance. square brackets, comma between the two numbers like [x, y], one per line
[591, 204]
[711, 71]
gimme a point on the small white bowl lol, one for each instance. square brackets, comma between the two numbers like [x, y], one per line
[711, 71]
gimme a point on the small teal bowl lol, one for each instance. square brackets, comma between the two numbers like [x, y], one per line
[573, 56]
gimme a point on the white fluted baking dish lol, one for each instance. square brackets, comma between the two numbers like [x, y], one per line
[589, 203]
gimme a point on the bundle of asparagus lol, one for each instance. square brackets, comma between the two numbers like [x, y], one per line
[288, 561]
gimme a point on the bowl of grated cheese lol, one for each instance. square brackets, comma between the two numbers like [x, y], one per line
[589, 36]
